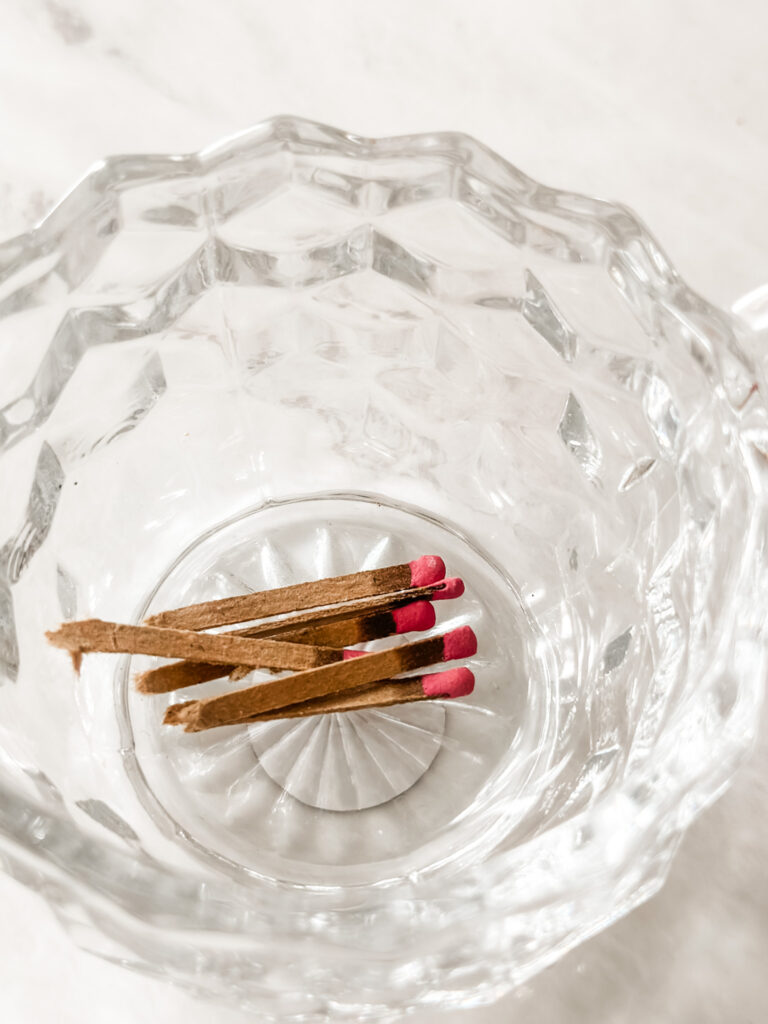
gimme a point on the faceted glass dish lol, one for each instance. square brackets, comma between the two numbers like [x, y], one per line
[301, 353]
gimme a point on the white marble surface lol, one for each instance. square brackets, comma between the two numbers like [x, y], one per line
[663, 105]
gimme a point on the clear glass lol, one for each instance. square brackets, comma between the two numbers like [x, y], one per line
[299, 352]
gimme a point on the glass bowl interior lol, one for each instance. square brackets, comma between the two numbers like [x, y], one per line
[302, 353]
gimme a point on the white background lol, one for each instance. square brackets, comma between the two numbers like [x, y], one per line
[662, 104]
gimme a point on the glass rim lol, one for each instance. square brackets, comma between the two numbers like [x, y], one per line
[45, 844]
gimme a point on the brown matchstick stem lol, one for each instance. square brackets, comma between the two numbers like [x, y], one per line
[338, 612]
[330, 591]
[384, 695]
[93, 635]
[444, 685]
[181, 674]
[354, 674]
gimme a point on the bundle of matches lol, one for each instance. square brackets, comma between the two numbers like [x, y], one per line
[319, 620]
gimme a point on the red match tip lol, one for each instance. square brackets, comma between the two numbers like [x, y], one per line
[456, 682]
[347, 654]
[427, 569]
[415, 616]
[454, 587]
[459, 643]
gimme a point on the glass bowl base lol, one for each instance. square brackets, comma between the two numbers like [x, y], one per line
[298, 798]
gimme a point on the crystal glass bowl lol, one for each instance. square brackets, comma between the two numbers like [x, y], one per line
[301, 353]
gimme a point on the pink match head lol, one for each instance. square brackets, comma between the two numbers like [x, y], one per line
[456, 682]
[347, 654]
[414, 616]
[453, 587]
[459, 643]
[427, 569]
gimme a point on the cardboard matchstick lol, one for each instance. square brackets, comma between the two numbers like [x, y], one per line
[93, 635]
[456, 682]
[418, 573]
